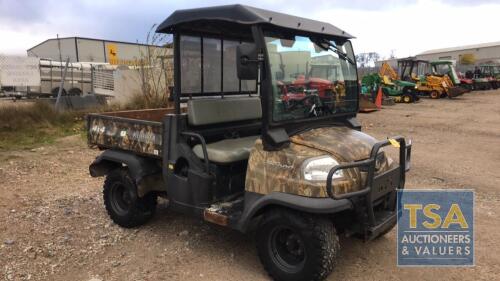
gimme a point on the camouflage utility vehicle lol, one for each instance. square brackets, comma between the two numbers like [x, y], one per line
[236, 152]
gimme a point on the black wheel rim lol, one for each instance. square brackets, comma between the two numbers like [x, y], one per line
[121, 199]
[287, 249]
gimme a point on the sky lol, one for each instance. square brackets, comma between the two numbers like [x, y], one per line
[402, 27]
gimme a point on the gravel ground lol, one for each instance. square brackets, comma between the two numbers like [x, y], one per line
[53, 225]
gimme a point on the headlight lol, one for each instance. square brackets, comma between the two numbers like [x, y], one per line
[317, 168]
[383, 158]
[380, 160]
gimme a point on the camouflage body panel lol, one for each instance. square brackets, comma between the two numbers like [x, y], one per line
[281, 171]
[344, 144]
[142, 137]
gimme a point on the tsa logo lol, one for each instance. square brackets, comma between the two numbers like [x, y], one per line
[435, 228]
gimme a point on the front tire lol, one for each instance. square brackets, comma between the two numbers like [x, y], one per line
[123, 205]
[435, 95]
[297, 247]
[407, 98]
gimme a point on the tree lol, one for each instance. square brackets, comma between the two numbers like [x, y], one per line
[393, 54]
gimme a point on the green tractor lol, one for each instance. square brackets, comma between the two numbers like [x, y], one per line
[387, 79]
[491, 73]
[447, 67]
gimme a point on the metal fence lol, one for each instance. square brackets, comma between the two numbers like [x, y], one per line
[103, 82]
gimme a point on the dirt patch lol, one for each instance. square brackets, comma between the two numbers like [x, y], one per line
[53, 225]
[9, 102]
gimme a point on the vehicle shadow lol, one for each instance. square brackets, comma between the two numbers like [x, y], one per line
[215, 244]
[208, 243]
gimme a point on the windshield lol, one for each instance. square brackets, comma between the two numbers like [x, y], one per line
[491, 70]
[422, 68]
[447, 69]
[311, 78]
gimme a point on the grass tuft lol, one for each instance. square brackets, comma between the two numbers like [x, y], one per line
[23, 126]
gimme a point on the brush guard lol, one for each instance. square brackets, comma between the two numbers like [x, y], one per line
[376, 187]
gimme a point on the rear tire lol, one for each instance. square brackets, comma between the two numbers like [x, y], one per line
[75, 92]
[297, 247]
[123, 205]
[55, 92]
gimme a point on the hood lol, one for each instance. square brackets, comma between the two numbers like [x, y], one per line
[303, 80]
[343, 143]
[320, 81]
[403, 83]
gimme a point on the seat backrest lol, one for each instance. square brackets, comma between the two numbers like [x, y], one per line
[213, 111]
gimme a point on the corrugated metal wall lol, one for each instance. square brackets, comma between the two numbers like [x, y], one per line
[90, 50]
[50, 50]
[93, 50]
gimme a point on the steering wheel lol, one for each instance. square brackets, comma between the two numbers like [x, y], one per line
[313, 106]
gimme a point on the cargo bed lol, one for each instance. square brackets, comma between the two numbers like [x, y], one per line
[139, 131]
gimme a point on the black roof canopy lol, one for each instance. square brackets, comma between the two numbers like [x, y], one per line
[235, 18]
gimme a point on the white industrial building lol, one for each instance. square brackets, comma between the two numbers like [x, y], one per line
[80, 49]
[466, 57]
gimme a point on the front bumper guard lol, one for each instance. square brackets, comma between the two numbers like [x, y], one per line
[376, 186]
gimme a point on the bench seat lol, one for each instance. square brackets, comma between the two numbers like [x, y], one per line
[220, 112]
[228, 150]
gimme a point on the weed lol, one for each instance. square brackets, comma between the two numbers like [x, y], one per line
[27, 125]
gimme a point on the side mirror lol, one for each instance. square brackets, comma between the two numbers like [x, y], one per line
[246, 61]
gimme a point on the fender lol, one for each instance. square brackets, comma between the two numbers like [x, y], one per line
[255, 202]
[139, 167]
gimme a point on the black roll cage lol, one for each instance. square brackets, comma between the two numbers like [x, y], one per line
[263, 85]
[202, 92]
[410, 63]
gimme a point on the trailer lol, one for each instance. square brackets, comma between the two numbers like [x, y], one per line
[81, 79]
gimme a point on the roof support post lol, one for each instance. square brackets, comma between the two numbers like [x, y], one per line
[177, 73]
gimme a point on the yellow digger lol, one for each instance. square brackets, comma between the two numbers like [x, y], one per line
[426, 82]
